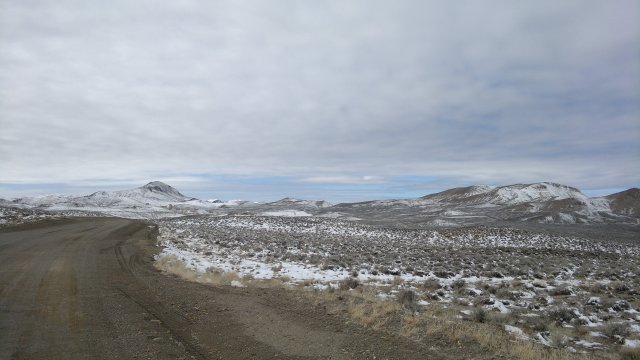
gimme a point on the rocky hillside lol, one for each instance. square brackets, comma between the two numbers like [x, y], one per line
[538, 202]
[625, 202]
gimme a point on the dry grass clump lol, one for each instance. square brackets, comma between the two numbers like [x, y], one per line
[173, 265]
[376, 314]
[561, 315]
[558, 339]
[408, 299]
[348, 284]
[489, 337]
[431, 284]
[630, 354]
[616, 329]
[479, 315]
[538, 323]
[365, 308]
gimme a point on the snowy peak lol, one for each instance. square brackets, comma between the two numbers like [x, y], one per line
[155, 191]
[154, 197]
[159, 187]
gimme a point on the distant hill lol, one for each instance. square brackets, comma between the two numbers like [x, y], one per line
[625, 202]
[155, 199]
[542, 202]
[299, 204]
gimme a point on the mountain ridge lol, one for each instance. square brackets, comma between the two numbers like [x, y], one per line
[543, 202]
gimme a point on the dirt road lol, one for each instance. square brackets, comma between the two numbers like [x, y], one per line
[87, 289]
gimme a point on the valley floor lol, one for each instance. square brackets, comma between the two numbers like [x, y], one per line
[243, 287]
[575, 294]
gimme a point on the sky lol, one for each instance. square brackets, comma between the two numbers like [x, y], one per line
[335, 100]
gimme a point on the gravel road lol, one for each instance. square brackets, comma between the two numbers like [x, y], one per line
[86, 288]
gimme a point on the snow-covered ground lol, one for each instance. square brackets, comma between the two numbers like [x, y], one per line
[286, 213]
[11, 216]
[568, 281]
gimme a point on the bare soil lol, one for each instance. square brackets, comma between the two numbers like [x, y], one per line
[86, 288]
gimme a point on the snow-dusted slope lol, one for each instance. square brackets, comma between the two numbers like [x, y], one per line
[155, 199]
[544, 202]
[538, 192]
[298, 203]
[154, 193]
[507, 195]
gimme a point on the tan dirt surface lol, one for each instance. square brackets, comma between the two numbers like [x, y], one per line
[87, 289]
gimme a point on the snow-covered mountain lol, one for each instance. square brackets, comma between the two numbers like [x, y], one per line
[156, 193]
[543, 202]
[506, 195]
[155, 199]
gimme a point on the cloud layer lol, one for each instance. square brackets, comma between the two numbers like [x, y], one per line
[320, 92]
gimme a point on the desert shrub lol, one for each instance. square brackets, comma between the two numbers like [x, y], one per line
[538, 323]
[598, 288]
[499, 318]
[348, 284]
[619, 286]
[621, 305]
[540, 284]
[561, 315]
[432, 284]
[561, 291]
[443, 274]
[614, 329]
[557, 339]
[408, 299]
[458, 284]
[505, 293]
[479, 315]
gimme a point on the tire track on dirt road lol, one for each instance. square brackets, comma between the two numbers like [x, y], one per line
[87, 288]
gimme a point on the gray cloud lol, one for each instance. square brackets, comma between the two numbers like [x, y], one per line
[492, 92]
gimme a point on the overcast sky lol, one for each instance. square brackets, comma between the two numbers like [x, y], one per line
[341, 100]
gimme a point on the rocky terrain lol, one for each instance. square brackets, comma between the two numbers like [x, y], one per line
[544, 288]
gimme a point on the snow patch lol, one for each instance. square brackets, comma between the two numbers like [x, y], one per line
[286, 213]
